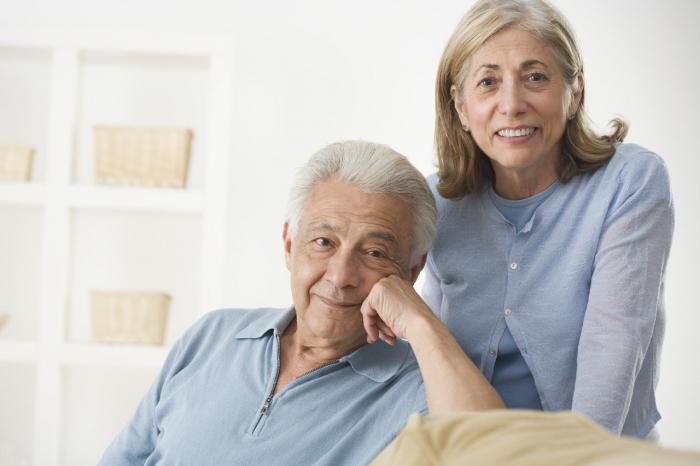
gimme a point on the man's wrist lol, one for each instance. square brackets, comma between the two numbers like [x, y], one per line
[422, 327]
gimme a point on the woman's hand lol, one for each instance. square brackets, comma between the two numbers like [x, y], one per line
[392, 309]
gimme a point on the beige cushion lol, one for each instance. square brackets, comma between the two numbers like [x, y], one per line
[523, 438]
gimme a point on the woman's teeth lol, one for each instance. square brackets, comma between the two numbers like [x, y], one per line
[512, 133]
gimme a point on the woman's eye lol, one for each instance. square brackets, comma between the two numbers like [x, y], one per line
[486, 82]
[536, 77]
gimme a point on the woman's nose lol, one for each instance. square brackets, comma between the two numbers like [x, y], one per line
[511, 101]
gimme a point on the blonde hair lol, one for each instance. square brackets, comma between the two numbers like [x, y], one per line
[462, 165]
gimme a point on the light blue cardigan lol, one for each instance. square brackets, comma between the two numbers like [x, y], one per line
[584, 301]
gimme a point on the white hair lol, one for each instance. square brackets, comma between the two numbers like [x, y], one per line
[375, 169]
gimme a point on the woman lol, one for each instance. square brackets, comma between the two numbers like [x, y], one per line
[552, 241]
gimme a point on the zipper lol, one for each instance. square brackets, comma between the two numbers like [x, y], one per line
[325, 364]
[265, 410]
[268, 401]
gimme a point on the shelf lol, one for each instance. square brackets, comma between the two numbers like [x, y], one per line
[62, 234]
[25, 81]
[142, 90]
[90, 354]
[22, 194]
[17, 410]
[98, 403]
[18, 351]
[127, 198]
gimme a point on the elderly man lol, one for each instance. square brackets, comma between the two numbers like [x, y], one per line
[332, 379]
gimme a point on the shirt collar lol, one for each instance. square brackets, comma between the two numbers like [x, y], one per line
[265, 322]
[378, 362]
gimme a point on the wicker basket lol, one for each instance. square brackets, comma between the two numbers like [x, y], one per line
[15, 162]
[129, 317]
[3, 319]
[128, 156]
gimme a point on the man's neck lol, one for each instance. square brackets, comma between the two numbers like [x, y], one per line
[301, 353]
[309, 349]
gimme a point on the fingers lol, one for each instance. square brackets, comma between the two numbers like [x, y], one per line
[375, 327]
[369, 321]
[385, 329]
[387, 339]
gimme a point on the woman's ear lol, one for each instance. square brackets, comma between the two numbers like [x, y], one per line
[459, 107]
[576, 94]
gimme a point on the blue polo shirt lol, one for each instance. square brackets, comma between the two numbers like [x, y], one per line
[211, 403]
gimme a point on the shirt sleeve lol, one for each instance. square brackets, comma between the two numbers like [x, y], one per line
[626, 293]
[421, 404]
[432, 288]
[137, 441]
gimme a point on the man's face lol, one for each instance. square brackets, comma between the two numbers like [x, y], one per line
[345, 242]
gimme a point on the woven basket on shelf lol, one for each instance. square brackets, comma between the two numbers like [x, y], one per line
[15, 162]
[132, 156]
[129, 317]
[3, 319]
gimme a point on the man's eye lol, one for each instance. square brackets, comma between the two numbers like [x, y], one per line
[375, 253]
[323, 242]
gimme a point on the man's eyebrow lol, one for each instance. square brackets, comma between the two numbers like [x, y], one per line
[383, 235]
[323, 226]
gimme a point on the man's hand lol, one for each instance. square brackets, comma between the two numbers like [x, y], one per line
[452, 382]
[391, 309]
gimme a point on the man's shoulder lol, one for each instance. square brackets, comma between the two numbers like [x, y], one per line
[238, 316]
[232, 321]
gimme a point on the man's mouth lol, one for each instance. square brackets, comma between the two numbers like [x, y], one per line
[337, 304]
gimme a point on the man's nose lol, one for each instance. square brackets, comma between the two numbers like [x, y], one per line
[511, 101]
[343, 270]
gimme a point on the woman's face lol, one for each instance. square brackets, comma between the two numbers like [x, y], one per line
[515, 103]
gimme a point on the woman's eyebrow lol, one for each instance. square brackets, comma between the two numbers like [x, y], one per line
[532, 62]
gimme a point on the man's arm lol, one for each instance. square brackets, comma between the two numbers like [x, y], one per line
[452, 382]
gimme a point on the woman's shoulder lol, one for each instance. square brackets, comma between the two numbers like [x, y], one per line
[632, 160]
[634, 172]
[433, 179]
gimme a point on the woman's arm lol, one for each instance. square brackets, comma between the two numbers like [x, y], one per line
[626, 293]
[432, 291]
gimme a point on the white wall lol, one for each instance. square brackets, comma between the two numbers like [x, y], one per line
[314, 71]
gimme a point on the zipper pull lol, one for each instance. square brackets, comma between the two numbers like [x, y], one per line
[266, 406]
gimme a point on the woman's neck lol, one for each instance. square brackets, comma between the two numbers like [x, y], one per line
[515, 183]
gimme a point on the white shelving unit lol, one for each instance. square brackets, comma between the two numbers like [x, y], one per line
[81, 64]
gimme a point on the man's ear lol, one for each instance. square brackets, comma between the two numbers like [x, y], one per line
[416, 269]
[287, 238]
